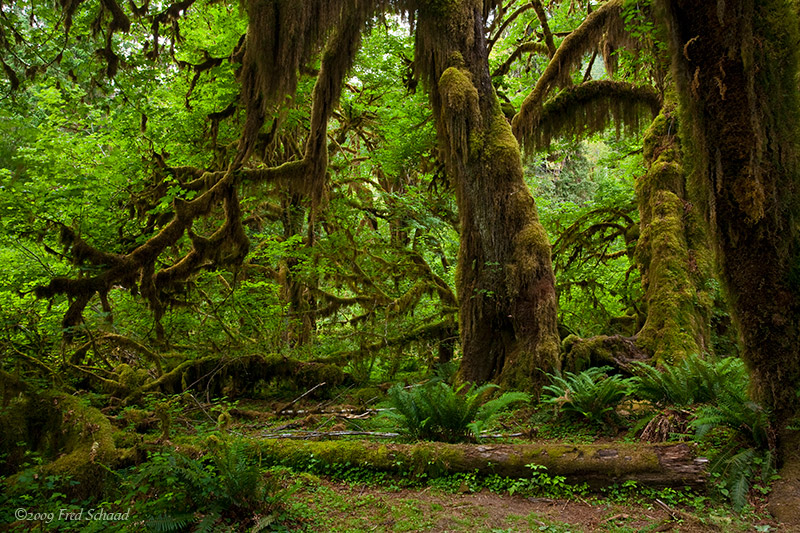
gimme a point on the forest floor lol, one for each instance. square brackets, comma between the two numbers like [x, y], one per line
[331, 506]
[323, 503]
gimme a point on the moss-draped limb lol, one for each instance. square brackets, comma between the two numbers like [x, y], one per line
[504, 279]
[118, 341]
[736, 65]
[227, 245]
[606, 19]
[673, 253]
[589, 107]
[656, 465]
[533, 47]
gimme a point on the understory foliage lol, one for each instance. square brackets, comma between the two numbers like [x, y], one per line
[592, 394]
[438, 411]
[226, 487]
[694, 380]
[736, 429]
[288, 200]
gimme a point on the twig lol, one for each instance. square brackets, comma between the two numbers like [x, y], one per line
[306, 393]
[672, 513]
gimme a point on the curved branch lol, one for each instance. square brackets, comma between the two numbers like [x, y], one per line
[567, 57]
[524, 48]
[589, 108]
[548, 35]
[506, 22]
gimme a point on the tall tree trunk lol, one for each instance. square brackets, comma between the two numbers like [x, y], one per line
[673, 252]
[735, 63]
[505, 279]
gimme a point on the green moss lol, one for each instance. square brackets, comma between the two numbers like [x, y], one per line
[672, 251]
[459, 95]
[602, 465]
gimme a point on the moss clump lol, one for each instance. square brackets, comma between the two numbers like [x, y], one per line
[603, 350]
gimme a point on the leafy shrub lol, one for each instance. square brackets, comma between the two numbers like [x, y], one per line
[591, 394]
[719, 389]
[437, 411]
[691, 381]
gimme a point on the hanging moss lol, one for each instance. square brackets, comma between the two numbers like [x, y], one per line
[604, 21]
[504, 277]
[590, 107]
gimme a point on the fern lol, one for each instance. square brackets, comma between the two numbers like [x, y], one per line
[691, 381]
[169, 522]
[591, 394]
[437, 411]
[745, 455]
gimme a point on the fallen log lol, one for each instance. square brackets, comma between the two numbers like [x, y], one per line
[599, 465]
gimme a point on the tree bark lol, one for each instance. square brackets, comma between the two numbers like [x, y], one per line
[735, 63]
[672, 252]
[655, 465]
[505, 279]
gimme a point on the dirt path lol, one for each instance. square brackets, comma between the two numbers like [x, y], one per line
[784, 501]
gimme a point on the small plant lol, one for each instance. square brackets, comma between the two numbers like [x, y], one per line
[226, 486]
[437, 411]
[591, 394]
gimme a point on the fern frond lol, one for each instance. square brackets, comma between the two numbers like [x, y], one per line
[169, 522]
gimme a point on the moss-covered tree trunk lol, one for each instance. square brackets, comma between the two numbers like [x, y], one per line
[673, 252]
[735, 64]
[505, 280]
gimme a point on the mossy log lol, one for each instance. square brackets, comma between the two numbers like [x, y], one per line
[61, 427]
[234, 376]
[599, 465]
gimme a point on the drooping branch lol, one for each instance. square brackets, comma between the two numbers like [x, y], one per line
[606, 19]
[228, 245]
[590, 107]
[532, 47]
